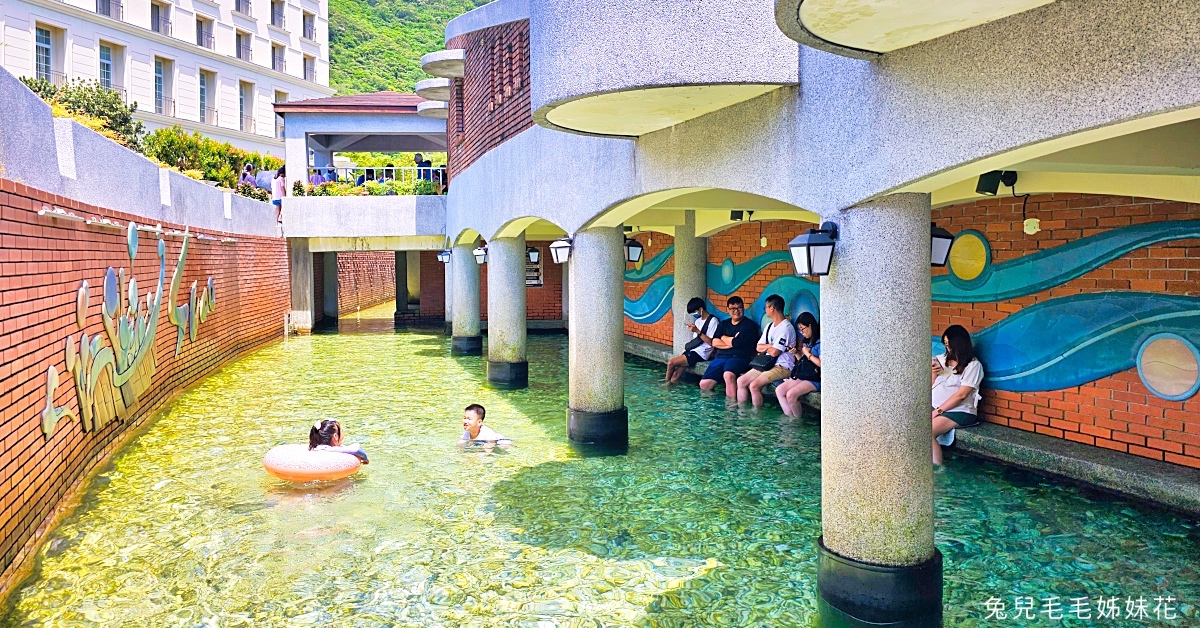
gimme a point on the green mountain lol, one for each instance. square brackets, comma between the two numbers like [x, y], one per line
[377, 45]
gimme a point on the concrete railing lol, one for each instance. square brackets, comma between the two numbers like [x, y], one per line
[61, 156]
[365, 217]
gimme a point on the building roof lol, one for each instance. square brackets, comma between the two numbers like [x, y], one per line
[379, 102]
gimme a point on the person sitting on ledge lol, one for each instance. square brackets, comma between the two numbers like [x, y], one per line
[734, 342]
[476, 433]
[806, 374]
[699, 348]
[327, 436]
[774, 361]
[957, 375]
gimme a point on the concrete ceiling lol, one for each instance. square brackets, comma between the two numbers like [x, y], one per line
[887, 25]
[1173, 150]
[377, 142]
[635, 112]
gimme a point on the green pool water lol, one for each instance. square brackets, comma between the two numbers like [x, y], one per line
[710, 519]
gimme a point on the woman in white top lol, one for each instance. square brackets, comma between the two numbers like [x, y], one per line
[957, 376]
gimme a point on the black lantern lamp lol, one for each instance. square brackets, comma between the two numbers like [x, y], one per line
[812, 252]
[444, 256]
[560, 250]
[633, 250]
[939, 243]
[481, 255]
[533, 254]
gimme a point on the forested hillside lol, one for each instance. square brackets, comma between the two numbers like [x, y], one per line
[377, 44]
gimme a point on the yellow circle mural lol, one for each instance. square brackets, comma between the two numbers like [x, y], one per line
[1169, 367]
[968, 256]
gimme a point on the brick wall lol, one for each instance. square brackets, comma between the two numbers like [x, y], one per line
[319, 286]
[661, 331]
[743, 243]
[365, 279]
[491, 103]
[44, 261]
[541, 303]
[433, 285]
[1116, 412]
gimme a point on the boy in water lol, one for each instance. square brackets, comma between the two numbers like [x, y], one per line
[476, 433]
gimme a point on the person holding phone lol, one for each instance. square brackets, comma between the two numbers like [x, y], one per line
[957, 375]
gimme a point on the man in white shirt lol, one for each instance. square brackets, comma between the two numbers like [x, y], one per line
[476, 433]
[703, 325]
[776, 339]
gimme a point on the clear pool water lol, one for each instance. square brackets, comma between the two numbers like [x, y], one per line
[710, 520]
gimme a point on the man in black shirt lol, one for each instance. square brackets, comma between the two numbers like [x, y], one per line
[735, 340]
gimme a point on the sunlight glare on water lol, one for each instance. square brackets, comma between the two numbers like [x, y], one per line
[710, 520]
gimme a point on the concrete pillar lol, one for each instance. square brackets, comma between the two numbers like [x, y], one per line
[596, 413]
[330, 282]
[566, 297]
[414, 278]
[401, 285]
[507, 367]
[691, 264]
[449, 301]
[300, 273]
[466, 339]
[877, 561]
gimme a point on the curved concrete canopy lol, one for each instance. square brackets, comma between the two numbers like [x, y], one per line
[665, 209]
[534, 228]
[434, 89]
[1184, 189]
[864, 28]
[435, 109]
[636, 112]
[445, 63]
[466, 236]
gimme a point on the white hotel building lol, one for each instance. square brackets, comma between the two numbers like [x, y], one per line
[214, 66]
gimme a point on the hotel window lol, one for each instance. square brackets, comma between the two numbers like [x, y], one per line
[106, 66]
[246, 106]
[43, 55]
[277, 14]
[310, 68]
[279, 97]
[310, 26]
[208, 110]
[164, 104]
[204, 33]
[277, 58]
[242, 41]
[160, 18]
[112, 63]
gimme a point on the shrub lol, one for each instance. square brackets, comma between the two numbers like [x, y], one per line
[218, 161]
[254, 192]
[88, 101]
[298, 189]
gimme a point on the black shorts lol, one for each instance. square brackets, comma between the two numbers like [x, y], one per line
[693, 358]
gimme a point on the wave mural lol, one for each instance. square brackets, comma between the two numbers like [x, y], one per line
[654, 303]
[651, 266]
[1045, 269]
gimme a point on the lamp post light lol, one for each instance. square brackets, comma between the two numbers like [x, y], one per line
[560, 250]
[633, 250]
[939, 244]
[812, 252]
[481, 255]
[533, 254]
[444, 256]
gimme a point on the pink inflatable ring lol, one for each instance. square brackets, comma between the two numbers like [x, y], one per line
[296, 463]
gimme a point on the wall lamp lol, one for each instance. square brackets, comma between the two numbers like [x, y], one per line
[533, 254]
[633, 250]
[939, 244]
[444, 256]
[481, 255]
[812, 252]
[560, 250]
[989, 182]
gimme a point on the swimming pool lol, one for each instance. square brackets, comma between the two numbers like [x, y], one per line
[710, 520]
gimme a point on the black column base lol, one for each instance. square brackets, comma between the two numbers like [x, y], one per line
[508, 375]
[599, 433]
[449, 331]
[852, 594]
[466, 345]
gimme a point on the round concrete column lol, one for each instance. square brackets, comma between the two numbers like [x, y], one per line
[877, 560]
[449, 299]
[691, 264]
[466, 339]
[596, 414]
[507, 367]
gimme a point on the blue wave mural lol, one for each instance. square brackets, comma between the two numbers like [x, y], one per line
[1079, 339]
[1046, 269]
[654, 303]
[651, 266]
[725, 278]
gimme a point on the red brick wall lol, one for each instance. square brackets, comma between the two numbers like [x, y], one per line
[319, 286]
[541, 303]
[43, 262]
[1117, 412]
[433, 285]
[365, 279]
[742, 244]
[661, 331]
[491, 103]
